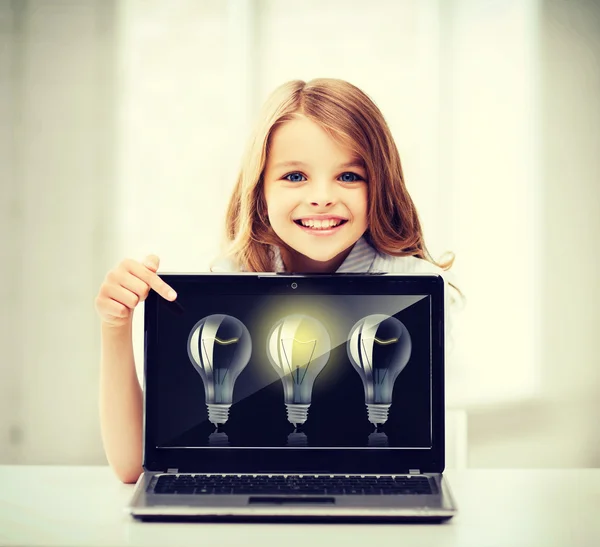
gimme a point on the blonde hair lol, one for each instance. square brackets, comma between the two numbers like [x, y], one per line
[351, 118]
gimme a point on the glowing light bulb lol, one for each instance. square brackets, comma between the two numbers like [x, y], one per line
[298, 348]
[379, 347]
[219, 347]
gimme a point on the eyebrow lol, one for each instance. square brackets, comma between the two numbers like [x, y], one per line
[354, 163]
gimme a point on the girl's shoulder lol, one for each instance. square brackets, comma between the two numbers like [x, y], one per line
[411, 264]
[225, 264]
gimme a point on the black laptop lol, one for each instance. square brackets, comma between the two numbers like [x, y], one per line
[274, 396]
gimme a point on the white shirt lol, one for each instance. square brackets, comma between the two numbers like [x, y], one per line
[363, 258]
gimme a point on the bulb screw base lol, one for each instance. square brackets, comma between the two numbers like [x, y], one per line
[378, 413]
[218, 414]
[297, 414]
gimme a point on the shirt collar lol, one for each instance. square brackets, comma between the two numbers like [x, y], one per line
[360, 259]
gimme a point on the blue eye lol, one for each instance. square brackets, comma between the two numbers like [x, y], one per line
[293, 177]
[350, 177]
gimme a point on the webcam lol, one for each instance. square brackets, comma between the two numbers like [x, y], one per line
[294, 285]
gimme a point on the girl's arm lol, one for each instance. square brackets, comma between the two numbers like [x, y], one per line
[120, 392]
[120, 403]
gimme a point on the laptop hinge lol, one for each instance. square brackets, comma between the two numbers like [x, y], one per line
[414, 471]
[172, 470]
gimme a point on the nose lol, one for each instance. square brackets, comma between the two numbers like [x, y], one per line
[321, 194]
[321, 203]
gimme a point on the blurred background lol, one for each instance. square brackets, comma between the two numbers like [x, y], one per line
[121, 129]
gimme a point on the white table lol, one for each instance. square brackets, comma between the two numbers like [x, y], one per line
[84, 506]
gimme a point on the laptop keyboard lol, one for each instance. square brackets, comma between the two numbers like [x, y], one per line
[292, 484]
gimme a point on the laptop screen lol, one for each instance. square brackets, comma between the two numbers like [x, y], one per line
[321, 365]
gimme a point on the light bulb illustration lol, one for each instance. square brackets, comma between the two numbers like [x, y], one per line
[219, 347]
[298, 348]
[379, 347]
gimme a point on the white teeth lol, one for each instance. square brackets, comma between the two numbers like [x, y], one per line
[320, 224]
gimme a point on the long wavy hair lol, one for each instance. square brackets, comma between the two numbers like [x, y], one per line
[351, 118]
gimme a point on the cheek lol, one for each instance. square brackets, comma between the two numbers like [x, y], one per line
[279, 202]
[270, 197]
[360, 203]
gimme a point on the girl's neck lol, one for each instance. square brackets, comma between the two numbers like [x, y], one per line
[295, 262]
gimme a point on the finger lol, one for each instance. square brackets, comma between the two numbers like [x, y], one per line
[121, 295]
[153, 280]
[133, 284]
[152, 262]
[111, 308]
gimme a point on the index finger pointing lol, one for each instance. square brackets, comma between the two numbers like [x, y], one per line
[158, 285]
[166, 291]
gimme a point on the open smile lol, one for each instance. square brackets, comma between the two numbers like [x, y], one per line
[322, 225]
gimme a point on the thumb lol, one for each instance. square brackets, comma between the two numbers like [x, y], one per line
[152, 262]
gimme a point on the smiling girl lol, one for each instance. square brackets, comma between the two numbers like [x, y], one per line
[321, 190]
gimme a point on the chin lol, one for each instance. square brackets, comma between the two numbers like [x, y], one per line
[320, 255]
[319, 249]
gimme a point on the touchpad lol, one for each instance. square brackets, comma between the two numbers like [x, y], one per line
[290, 500]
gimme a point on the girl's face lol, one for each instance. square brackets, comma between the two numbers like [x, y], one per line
[316, 195]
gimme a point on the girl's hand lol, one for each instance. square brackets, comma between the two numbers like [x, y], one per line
[126, 286]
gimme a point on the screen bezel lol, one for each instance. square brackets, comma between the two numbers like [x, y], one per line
[269, 460]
